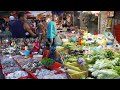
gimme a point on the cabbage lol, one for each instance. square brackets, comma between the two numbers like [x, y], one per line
[92, 69]
[107, 74]
[117, 68]
[100, 64]
[116, 61]
[95, 73]
[106, 64]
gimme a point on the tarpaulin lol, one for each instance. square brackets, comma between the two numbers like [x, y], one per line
[57, 12]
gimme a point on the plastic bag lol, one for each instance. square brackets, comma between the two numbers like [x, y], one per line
[58, 40]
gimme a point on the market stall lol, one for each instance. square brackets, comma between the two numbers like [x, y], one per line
[77, 54]
[18, 63]
[90, 56]
[82, 56]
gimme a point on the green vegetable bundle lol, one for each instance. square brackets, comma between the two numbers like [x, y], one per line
[109, 54]
[47, 62]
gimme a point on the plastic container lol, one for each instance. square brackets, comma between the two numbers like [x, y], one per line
[27, 53]
[56, 65]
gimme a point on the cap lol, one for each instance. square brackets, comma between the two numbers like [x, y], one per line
[12, 18]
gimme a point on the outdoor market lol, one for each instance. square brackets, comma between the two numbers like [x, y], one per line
[59, 45]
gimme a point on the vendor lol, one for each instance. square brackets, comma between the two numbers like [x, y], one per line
[46, 52]
[36, 45]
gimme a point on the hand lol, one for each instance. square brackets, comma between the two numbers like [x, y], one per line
[35, 36]
[37, 47]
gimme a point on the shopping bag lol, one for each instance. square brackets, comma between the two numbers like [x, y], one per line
[58, 40]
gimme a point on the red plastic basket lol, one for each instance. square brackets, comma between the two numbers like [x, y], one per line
[55, 66]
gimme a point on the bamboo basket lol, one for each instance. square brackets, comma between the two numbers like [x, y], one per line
[84, 72]
[65, 50]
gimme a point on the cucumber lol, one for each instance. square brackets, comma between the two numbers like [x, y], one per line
[72, 67]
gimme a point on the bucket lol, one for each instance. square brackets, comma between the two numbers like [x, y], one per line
[27, 53]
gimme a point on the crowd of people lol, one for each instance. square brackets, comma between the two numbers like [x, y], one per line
[44, 30]
[20, 27]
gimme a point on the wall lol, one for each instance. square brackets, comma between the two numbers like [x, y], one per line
[103, 21]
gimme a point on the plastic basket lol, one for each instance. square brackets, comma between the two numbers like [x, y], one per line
[55, 66]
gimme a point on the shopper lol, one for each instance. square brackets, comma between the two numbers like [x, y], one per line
[3, 26]
[11, 22]
[36, 45]
[7, 32]
[52, 30]
[41, 30]
[21, 26]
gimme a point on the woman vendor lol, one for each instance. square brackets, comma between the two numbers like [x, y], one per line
[36, 45]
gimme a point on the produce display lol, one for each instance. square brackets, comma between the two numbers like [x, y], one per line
[11, 69]
[101, 60]
[16, 75]
[31, 65]
[82, 57]
[49, 74]
[47, 62]
[8, 62]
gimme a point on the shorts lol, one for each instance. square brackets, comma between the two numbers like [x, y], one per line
[49, 40]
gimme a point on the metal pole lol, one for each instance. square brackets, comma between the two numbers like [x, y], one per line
[73, 18]
[98, 23]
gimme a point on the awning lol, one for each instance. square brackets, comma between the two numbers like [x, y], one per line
[57, 12]
[4, 14]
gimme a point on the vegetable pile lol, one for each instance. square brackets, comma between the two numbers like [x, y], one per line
[105, 64]
[47, 62]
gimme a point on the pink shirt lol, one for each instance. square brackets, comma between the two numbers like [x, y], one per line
[38, 45]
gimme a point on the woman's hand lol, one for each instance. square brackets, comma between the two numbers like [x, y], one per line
[33, 45]
[37, 47]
